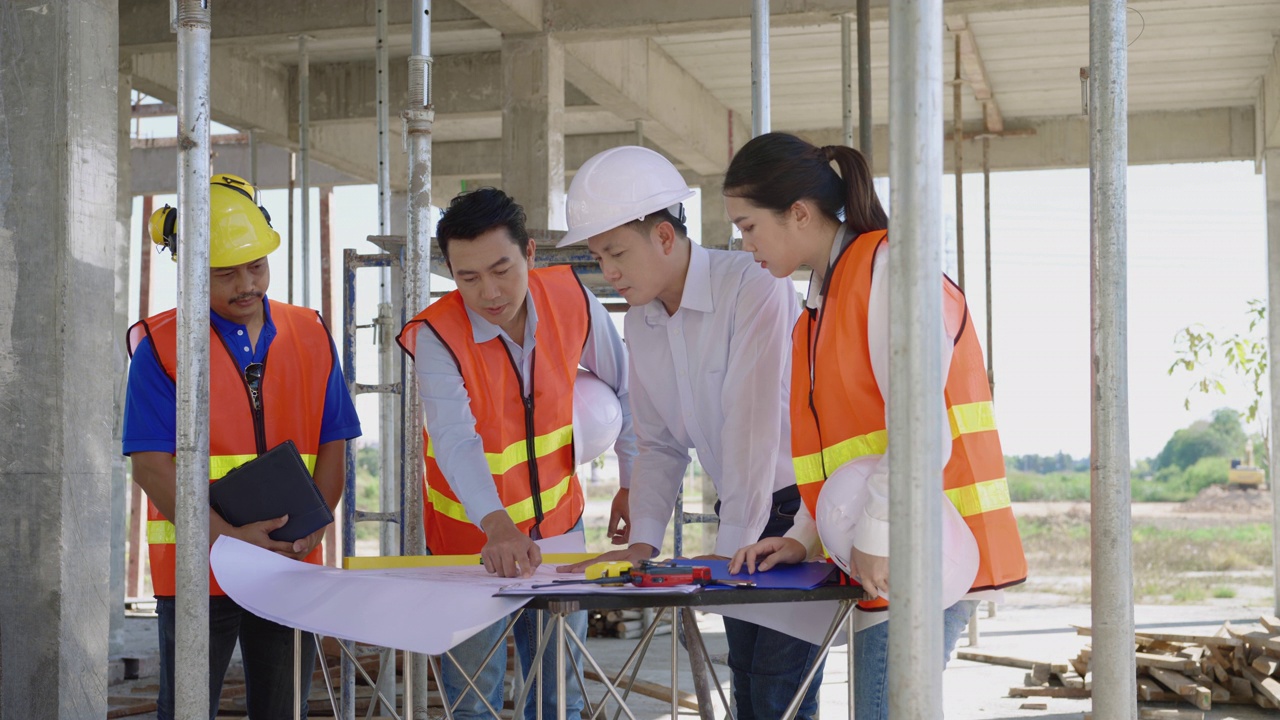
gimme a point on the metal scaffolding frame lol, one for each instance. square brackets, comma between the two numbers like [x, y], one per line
[916, 170]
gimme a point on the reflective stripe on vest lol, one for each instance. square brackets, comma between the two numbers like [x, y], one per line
[528, 448]
[296, 375]
[162, 532]
[518, 452]
[842, 417]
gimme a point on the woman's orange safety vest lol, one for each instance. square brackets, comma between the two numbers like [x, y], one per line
[528, 441]
[838, 413]
[295, 378]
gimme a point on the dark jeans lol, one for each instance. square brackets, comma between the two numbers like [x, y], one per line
[265, 647]
[768, 666]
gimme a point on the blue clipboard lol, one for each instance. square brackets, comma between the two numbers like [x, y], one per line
[801, 576]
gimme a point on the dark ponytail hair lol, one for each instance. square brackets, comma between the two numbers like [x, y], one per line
[775, 170]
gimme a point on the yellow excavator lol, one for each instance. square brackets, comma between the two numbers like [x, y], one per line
[1246, 475]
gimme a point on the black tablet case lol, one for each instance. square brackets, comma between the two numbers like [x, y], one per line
[273, 484]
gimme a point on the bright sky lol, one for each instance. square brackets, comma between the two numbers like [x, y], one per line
[1197, 254]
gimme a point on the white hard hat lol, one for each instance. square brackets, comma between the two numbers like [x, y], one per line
[840, 507]
[597, 417]
[618, 186]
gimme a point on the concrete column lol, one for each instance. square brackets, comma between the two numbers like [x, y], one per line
[533, 127]
[716, 228]
[119, 477]
[1273, 348]
[58, 152]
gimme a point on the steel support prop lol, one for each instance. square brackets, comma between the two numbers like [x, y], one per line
[386, 324]
[304, 160]
[191, 676]
[418, 116]
[1273, 349]
[915, 369]
[986, 231]
[846, 78]
[1115, 691]
[957, 149]
[864, 79]
[253, 157]
[760, 108]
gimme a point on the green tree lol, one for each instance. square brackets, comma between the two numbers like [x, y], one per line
[1240, 357]
[1220, 437]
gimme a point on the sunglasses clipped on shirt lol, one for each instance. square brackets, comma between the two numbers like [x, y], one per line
[253, 379]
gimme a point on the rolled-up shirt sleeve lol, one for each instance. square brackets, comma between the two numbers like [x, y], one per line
[447, 413]
[659, 470]
[605, 355]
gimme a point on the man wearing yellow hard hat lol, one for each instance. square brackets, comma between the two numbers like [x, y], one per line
[273, 376]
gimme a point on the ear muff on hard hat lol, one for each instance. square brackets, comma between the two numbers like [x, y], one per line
[840, 508]
[239, 229]
[621, 185]
[597, 417]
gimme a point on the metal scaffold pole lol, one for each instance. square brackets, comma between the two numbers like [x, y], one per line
[304, 162]
[418, 116]
[760, 107]
[387, 322]
[191, 676]
[915, 362]
[1115, 690]
[846, 78]
[1273, 350]
[957, 148]
[864, 79]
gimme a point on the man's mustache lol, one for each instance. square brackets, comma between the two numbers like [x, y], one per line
[247, 296]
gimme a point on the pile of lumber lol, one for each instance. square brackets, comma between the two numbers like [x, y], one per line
[1234, 666]
[625, 624]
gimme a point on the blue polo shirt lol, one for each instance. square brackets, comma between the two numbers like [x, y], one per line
[151, 402]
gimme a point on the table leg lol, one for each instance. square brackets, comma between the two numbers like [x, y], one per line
[842, 615]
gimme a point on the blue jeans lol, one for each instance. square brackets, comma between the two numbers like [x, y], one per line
[470, 652]
[768, 667]
[266, 649]
[871, 660]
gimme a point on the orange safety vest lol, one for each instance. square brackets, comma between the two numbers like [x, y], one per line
[838, 413]
[294, 381]
[528, 442]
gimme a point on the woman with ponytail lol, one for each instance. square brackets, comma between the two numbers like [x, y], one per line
[794, 209]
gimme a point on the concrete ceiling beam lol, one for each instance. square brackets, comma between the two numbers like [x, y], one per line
[974, 72]
[1270, 102]
[1155, 138]
[637, 80]
[509, 17]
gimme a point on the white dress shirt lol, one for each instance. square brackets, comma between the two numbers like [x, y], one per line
[713, 377]
[447, 405]
[871, 535]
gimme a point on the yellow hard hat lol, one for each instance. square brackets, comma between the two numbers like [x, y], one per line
[239, 229]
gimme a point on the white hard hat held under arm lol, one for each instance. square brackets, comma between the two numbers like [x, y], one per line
[841, 506]
[597, 417]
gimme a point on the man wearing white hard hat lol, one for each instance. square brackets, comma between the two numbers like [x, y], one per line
[497, 367]
[707, 334]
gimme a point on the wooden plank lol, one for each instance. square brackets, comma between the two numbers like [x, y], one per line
[1270, 622]
[1009, 661]
[1263, 641]
[1266, 664]
[1166, 662]
[1267, 687]
[1033, 706]
[1053, 692]
[687, 700]
[1149, 691]
[1195, 693]
[1209, 640]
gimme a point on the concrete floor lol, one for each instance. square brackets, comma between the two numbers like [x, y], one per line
[1027, 626]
